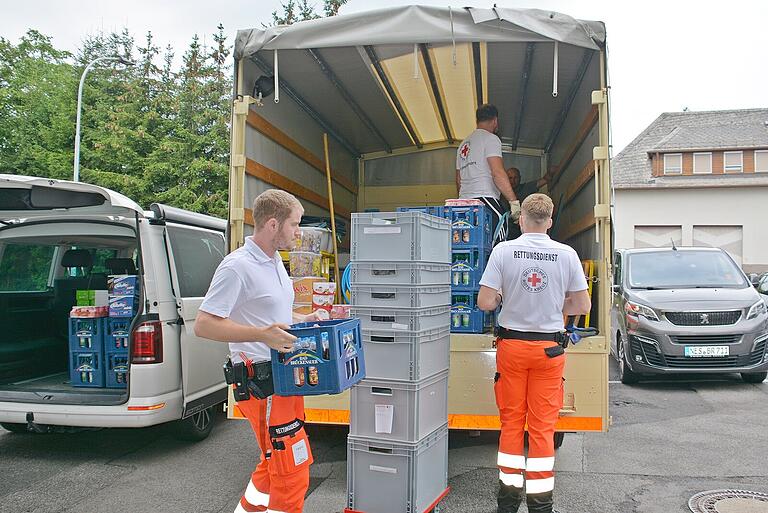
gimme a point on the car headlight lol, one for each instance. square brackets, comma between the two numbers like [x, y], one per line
[636, 309]
[756, 310]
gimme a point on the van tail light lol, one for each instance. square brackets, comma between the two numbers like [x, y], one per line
[147, 343]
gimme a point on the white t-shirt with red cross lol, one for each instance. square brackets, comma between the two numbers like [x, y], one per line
[472, 163]
[533, 273]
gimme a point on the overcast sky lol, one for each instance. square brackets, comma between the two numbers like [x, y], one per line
[663, 55]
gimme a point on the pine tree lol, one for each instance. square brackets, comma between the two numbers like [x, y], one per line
[37, 105]
[331, 7]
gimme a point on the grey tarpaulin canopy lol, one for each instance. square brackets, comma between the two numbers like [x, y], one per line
[413, 75]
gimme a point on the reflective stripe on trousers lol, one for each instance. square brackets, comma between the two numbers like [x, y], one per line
[529, 390]
[269, 490]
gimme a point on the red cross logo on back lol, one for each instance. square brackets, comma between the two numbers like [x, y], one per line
[534, 280]
[464, 151]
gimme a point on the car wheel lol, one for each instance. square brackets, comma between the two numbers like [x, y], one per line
[626, 375]
[195, 427]
[15, 428]
[748, 377]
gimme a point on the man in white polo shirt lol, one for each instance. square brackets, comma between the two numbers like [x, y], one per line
[480, 170]
[249, 306]
[541, 281]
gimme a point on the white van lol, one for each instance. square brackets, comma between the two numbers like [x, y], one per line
[58, 237]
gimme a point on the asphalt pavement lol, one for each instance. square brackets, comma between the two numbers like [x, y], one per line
[669, 440]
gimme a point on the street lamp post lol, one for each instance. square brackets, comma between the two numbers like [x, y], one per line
[79, 106]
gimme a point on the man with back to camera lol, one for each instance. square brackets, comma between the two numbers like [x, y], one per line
[540, 280]
[480, 170]
[250, 305]
[522, 191]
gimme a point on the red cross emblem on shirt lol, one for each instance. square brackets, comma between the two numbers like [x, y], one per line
[534, 280]
[464, 150]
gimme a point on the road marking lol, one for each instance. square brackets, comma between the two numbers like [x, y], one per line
[614, 382]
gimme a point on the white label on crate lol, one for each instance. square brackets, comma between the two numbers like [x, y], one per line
[300, 453]
[381, 229]
[398, 326]
[384, 415]
[388, 470]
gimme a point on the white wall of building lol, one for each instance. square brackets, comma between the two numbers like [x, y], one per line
[689, 208]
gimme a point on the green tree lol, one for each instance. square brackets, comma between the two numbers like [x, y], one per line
[301, 10]
[150, 131]
[37, 107]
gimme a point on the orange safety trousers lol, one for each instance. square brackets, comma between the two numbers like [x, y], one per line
[279, 484]
[529, 389]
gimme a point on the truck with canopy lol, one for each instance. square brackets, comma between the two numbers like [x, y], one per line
[396, 91]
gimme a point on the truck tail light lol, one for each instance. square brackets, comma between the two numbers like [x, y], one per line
[148, 343]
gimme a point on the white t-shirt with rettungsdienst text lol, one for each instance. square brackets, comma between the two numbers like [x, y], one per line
[533, 273]
[253, 289]
[472, 163]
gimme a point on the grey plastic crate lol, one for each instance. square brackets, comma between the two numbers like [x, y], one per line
[392, 477]
[400, 296]
[418, 408]
[406, 355]
[401, 237]
[402, 319]
[400, 273]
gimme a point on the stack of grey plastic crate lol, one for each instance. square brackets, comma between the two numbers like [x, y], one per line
[397, 451]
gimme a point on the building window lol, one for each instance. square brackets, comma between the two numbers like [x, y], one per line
[673, 163]
[702, 163]
[761, 161]
[733, 162]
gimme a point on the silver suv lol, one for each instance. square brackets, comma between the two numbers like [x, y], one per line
[686, 310]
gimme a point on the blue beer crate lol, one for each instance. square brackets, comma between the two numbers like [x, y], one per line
[87, 333]
[116, 372]
[465, 319]
[327, 359]
[437, 211]
[467, 267]
[466, 298]
[471, 226]
[117, 333]
[86, 369]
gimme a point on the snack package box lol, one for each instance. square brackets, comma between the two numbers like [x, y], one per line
[89, 311]
[324, 288]
[302, 308]
[302, 288]
[123, 284]
[340, 311]
[92, 298]
[122, 306]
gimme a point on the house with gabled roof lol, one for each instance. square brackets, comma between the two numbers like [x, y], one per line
[696, 179]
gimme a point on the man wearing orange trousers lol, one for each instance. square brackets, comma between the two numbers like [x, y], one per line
[249, 305]
[540, 280]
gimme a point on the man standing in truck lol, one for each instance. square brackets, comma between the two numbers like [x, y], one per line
[522, 191]
[480, 170]
[540, 281]
[249, 305]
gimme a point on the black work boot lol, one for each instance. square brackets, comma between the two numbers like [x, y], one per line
[539, 502]
[509, 499]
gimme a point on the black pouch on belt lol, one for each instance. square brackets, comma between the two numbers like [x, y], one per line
[260, 383]
[554, 351]
[237, 375]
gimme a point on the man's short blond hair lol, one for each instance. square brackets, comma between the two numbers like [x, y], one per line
[538, 208]
[274, 203]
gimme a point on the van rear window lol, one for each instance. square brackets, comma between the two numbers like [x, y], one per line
[25, 267]
[42, 198]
